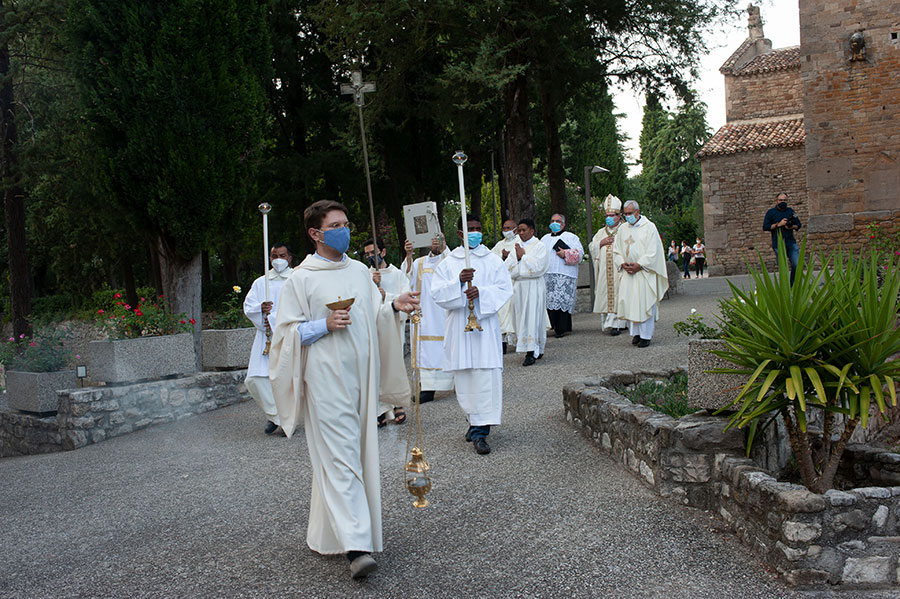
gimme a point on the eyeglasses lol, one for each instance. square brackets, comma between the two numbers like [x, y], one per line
[335, 226]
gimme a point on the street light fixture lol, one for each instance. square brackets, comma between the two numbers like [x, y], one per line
[588, 171]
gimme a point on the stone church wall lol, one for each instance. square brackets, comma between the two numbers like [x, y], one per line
[763, 95]
[737, 191]
[852, 117]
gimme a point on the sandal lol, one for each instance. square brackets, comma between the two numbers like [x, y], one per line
[399, 415]
[382, 420]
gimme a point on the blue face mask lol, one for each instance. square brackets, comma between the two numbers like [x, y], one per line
[337, 239]
[555, 227]
[610, 221]
[474, 238]
[631, 219]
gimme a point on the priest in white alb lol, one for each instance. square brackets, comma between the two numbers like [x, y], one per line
[638, 253]
[606, 275]
[527, 264]
[475, 357]
[395, 390]
[258, 309]
[324, 368]
[428, 336]
[504, 248]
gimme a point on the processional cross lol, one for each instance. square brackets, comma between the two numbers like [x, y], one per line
[359, 88]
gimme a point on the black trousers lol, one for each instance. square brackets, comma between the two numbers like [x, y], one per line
[560, 320]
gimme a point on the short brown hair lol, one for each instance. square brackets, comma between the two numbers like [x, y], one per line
[315, 213]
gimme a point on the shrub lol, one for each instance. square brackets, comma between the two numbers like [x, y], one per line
[231, 315]
[121, 321]
[44, 352]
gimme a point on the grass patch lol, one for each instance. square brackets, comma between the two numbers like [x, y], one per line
[668, 397]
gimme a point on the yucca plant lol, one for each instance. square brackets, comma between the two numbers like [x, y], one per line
[824, 343]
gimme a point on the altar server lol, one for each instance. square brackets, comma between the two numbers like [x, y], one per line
[527, 264]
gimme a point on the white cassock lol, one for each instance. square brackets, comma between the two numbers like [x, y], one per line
[507, 312]
[394, 387]
[333, 384]
[475, 358]
[430, 345]
[530, 295]
[640, 293]
[606, 277]
[257, 380]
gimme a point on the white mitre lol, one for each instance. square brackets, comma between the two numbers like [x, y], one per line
[612, 204]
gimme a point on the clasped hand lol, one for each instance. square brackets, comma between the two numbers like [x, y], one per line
[631, 267]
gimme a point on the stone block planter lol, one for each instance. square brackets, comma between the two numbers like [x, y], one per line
[36, 391]
[705, 390]
[144, 358]
[227, 349]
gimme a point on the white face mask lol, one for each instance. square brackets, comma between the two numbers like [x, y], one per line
[509, 234]
[279, 264]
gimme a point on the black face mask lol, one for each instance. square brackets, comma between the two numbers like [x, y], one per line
[371, 261]
[781, 205]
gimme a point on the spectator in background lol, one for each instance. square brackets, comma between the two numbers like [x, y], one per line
[782, 220]
[686, 253]
[699, 255]
[672, 254]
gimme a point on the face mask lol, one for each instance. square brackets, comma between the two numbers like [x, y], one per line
[631, 219]
[474, 238]
[371, 261]
[698, 242]
[337, 239]
[509, 234]
[610, 221]
[555, 227]
[279, 264]
[781, 205]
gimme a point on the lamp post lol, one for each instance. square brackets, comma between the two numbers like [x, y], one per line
[588, 171]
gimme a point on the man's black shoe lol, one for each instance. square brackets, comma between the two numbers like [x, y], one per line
[643, 343]
[504, 347]
[481, 446]
[426, 396]
[635, 340]
[271, 427]
[529, 359]
[614, 332]
[469, 435]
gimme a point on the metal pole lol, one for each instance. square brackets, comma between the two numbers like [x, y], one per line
[494, 198]
[362, 130]
[590, 225]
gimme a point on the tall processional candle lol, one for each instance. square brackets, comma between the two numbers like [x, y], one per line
[459, 158]
[265, 208]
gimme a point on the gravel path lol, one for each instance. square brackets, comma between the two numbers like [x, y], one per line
[210, 507]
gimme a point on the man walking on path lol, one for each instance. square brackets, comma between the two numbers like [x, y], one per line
[562, 276]
[324, 368]
[781, 220]
[638, 251]
[258, 310]
[474, 357]
[606, 275]
[429, 343]
[504, 248]
[527, 265]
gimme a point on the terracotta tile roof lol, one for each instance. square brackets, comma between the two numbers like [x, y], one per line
[781, 59]
[728, 67]
[734, 138]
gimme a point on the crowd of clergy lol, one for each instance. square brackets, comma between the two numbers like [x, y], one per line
[341, 368]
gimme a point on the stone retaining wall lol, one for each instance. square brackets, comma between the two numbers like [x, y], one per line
[849, 538]
[93, 414]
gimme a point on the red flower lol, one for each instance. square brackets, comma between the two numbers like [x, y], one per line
[120, 303]
[182, 322]
[192, 321]
[871, 237]
[127, 307]
[159, 297]
[99, 311]
[138, 312]
[117, 296]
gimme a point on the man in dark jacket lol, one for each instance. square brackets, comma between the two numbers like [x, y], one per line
[783, 221]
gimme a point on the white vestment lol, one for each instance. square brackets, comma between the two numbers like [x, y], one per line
[430, 331]
[476, 357]
[394, 386]
[530, 295]
[507, 312]
[606, 278]
[258, 369]
[334, 383]
[640, 293]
